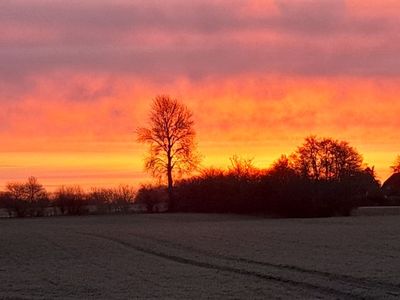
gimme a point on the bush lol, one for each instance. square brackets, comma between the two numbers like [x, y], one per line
[70, 200]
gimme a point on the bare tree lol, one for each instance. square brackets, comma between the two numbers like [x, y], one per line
[17, 201]
[170, 137]
[70, 199]
[396, 166]
[327, 159]
[28, 199]
[242, 167]
[16, 190]
[34, 190]
[124, 196]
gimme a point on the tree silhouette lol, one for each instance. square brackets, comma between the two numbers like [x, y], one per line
[27, 199]
[17, 201]
[396, 166]
[124, 196]
[170, 137]
[70, 200]
[327, 159]
[34, 190]
[282, 169]
[242, 167]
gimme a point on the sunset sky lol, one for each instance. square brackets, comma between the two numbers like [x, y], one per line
[77, 78]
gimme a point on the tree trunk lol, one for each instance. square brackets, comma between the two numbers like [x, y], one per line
[171, 203]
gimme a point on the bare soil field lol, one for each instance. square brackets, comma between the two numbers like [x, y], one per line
[198, 256]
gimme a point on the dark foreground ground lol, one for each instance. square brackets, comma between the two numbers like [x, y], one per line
[190, 256]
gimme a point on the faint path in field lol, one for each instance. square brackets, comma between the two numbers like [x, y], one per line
[325, 283]
[369, 284]
[68, 252]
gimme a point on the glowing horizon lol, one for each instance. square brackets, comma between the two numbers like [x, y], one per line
[259, 75]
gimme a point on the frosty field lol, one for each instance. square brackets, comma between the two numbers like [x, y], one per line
[199, 256]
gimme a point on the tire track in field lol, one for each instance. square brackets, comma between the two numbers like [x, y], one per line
[72, 254]
[336, 292]
[65, 250]
[391, 289]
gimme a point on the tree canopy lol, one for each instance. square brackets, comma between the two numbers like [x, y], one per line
[326, 158]
[171, 138]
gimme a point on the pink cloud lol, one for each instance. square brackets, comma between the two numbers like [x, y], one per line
[198, 39]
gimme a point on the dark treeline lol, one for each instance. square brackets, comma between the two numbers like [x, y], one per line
[30, 199]
[323, 177]
[276, 192]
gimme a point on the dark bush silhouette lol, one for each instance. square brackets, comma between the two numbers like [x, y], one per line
[124, 197]
[151, 197]
[28, 199]
[102, 199]
[7, 202]
[15, 200]
[70, 200]
[324, 177]
[274, 193]
[108, 200]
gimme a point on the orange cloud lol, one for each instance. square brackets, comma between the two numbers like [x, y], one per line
[77, 78]
[51, 135]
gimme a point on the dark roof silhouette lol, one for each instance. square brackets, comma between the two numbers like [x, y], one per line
[391, 187]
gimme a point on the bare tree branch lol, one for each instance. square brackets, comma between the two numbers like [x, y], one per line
[170, 136]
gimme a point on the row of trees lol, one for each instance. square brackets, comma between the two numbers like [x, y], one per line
[30, 199]
[322, 177]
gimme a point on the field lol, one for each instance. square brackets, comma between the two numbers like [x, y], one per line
[199, 256]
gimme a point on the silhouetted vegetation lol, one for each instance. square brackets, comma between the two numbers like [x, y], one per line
[326, 159]
[396, 166]
[30, 199]
[153, 198]
[70, 200]
[322, 177]
[170, 137]
[117, 200]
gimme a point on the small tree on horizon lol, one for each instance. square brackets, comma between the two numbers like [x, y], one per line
[242, 167]
[396, 166]
[27, 199]
[170, 136]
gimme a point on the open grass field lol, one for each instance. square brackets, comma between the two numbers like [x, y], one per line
[194, 256]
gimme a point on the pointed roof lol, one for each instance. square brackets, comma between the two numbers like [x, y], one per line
[392, 185]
